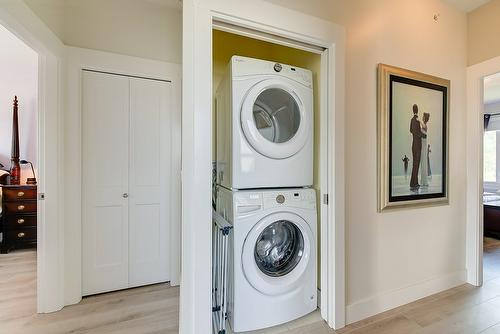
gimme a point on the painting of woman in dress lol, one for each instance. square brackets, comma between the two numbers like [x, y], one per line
[424, 163]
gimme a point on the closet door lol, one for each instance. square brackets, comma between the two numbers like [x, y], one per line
[150, 175]
[105, 161]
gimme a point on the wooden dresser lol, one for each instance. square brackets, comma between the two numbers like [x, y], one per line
[19, 208]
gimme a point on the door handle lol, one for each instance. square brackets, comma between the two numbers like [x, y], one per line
[125, 195]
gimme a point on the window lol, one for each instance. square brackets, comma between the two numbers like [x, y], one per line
[490, 156]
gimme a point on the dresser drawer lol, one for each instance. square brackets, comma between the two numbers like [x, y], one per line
[20, 221]
[26, 235]
[19, 207]
[13, 194]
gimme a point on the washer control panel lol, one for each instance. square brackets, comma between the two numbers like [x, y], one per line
[247, 202]
[298, 198]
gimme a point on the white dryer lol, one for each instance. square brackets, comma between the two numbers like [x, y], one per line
[272, 259]
[265, 119]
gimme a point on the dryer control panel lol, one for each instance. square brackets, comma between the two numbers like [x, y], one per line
[244, 66]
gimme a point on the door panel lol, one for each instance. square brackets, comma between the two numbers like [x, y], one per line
[150, 174]
[105, 123]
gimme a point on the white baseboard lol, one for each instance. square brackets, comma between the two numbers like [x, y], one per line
[383, 302]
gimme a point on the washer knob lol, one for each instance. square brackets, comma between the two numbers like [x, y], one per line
[278, 67]
[280, 199]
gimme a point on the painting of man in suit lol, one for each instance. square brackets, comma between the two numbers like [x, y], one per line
[416, 148]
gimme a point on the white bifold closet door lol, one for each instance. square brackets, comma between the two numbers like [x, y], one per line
[126, 181]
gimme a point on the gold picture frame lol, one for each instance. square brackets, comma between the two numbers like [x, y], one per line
[412, 135]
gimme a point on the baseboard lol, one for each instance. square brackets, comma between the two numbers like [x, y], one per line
[383, 302]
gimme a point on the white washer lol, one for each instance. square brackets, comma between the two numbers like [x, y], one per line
[272, 259]
[265, 119]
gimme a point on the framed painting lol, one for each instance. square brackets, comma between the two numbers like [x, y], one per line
[413, 114]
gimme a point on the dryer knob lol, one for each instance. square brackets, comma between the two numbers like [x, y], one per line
[280, 199]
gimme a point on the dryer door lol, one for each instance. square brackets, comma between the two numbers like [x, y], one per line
[277, 253]
[274, 119]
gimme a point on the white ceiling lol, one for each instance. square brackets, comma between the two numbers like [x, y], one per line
[467, 5]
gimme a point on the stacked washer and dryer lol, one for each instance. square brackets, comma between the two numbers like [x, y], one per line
[264, 169]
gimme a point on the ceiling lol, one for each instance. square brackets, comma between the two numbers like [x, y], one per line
[467, 5]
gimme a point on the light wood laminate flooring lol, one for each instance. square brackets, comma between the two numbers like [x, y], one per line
[154, 309]
[151, 309]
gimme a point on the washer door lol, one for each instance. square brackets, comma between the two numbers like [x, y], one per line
[276, 253]
[274, 119]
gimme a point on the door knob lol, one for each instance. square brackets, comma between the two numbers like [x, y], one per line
[125, 195]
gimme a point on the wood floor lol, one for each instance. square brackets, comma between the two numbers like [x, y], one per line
[154, 309]
[464, 309]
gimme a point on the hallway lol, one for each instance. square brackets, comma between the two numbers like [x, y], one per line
[154, 309]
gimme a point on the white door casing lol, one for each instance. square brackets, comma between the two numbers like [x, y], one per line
[475, 132]
[257, 19]
[127, 145]
[18, 18]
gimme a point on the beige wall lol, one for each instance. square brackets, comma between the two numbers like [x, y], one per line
[483, 31]
[145, 29]
[390, 252]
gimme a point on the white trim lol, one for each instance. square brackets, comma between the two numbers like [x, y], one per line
[474, 133]
[79, 59]
[198, 20]
[324, 184]
[21, 21]
[389, 300]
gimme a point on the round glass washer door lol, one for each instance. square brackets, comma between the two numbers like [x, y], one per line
[274, 119]
[279, 248]
[277, 252]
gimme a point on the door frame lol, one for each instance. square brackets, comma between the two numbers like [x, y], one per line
[77, 60]
[475, 129]
[301, 31]
[16, 17]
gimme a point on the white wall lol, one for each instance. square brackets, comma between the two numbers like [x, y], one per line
[146, 28]
[18, 76]
[399, 256]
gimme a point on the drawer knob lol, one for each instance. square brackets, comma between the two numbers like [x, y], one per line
[20, 221]
[20, 194]
[20, 235]
[20, 207]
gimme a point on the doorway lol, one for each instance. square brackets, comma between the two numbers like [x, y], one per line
[19, 157]
[279, 119]
[199, 20]
[481, 165]
[491, 178]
